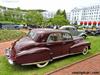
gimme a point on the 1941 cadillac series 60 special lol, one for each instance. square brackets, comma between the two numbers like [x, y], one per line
[41, 46]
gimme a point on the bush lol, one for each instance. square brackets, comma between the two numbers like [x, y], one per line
[6, 35]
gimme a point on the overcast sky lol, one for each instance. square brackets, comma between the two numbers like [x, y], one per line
[51, 5]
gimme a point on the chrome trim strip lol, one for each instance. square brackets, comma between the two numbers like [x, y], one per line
[66, 55]
[10, 61]
[51, 59]
[35, 62]
[30, 51]
[7, 53]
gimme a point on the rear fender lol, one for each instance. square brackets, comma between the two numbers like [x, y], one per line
[31, 51]
[33, 55]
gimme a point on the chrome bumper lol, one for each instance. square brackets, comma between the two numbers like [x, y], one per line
[8, 55]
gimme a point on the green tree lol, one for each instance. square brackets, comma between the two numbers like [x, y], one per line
[64, 14]
[17, 15]
[7, 15]
[13, 15]
[34, 18]
[58, 12]
[59, 20]
[1, 17]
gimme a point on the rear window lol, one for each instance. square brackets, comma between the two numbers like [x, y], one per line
[32, 34]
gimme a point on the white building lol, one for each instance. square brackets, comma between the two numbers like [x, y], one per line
[85, 16]
[48, 14]
[68, 16]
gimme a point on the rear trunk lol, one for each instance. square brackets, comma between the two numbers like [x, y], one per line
[20, 45]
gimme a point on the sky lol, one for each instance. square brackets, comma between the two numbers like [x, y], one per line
[51, 5]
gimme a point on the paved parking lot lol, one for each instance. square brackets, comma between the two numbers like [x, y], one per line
[90, 66]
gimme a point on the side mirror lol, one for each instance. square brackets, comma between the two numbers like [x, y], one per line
[43, 40]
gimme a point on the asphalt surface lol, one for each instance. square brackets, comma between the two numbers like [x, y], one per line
[89, 66]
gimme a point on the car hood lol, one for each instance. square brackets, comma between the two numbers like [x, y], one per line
[77, 39]
[81, 31]
[23, 42]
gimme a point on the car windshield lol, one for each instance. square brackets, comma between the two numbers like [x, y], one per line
[32, 35]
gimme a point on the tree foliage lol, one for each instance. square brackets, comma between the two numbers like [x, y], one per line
[60, 12]
[59, 18]
[12, 16]
[64, 14]
[34, 17]
[22, 17]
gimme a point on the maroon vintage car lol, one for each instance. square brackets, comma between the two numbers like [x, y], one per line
[41, 46]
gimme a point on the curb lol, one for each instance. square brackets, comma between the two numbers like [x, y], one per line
[71, 64]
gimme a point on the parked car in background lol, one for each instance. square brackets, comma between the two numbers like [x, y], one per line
[10, 26]
[33, 26]
[93, 31]
[74, 32]
[40, 46]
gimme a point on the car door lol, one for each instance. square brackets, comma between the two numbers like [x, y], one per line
[55, 44]
[67, 42]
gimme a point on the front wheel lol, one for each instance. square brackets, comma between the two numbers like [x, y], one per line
[40, 65]
[93, 33]
[84, 36]
[85, 51]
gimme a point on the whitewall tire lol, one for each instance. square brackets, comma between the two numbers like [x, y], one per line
[85, 51]
[40, 65]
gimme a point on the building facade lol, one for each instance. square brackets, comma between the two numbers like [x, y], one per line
[48, 14]
[85, 16]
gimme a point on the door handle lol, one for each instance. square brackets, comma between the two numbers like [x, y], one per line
[49, 44]
[64, 43]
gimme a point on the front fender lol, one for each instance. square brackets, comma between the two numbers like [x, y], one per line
[83, 34]
[78, 47]
[81, 44]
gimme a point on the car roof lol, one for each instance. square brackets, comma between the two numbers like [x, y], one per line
[66, 27]
[48, 30]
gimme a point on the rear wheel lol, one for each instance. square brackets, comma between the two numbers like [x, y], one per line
[85, 51]
[40, 65]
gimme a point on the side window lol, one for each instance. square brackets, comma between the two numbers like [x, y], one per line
[74, 29]
[66, 36]
[67, 28]
[54, 37]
